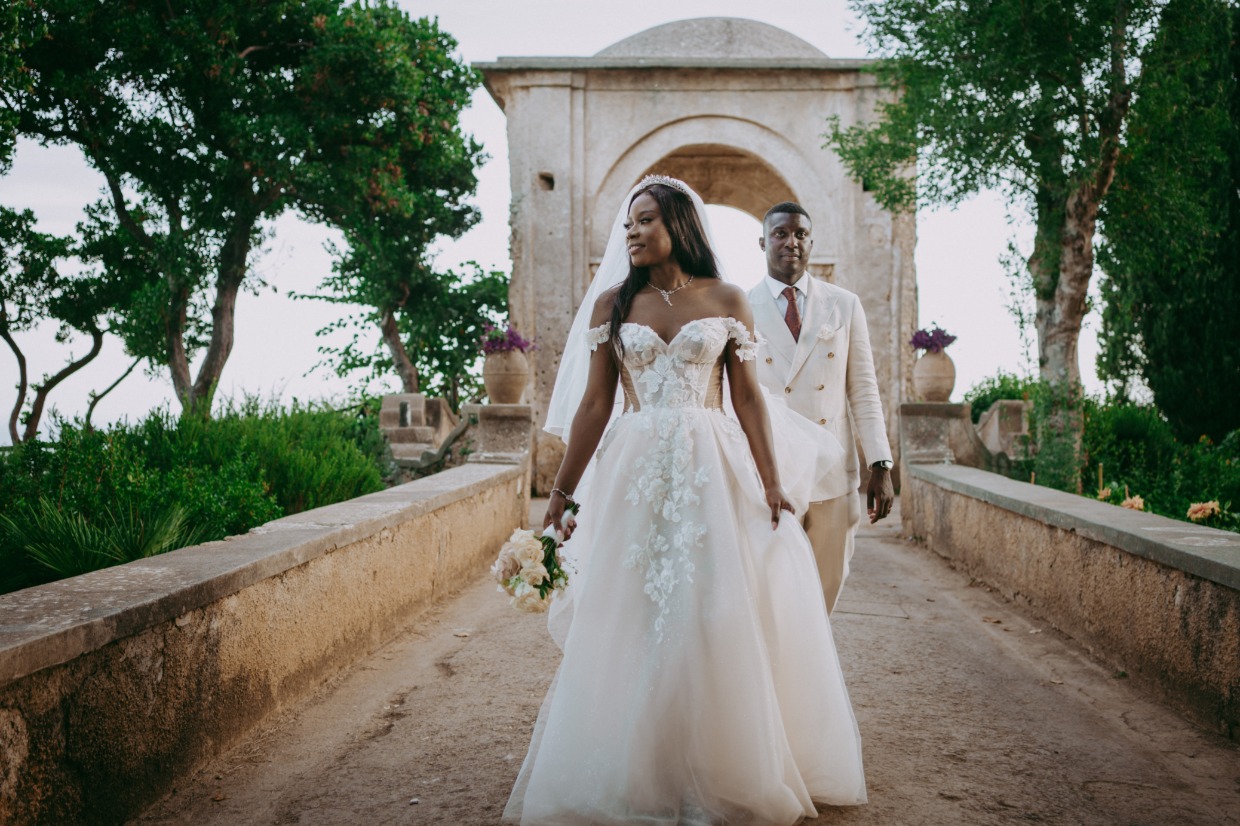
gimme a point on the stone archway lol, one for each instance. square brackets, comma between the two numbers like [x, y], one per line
[734, 107]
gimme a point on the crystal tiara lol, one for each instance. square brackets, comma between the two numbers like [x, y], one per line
[674, 183]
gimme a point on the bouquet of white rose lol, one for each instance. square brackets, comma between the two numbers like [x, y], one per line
[529, 568]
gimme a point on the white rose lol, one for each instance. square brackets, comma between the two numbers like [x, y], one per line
[534, 573]
[526, 548]
[506, 566]
[530, 602]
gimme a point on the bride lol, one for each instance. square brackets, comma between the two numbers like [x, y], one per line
[700, 682]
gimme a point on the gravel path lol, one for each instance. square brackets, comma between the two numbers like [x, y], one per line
[970, 713]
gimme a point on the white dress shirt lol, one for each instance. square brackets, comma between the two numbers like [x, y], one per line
[777, 292]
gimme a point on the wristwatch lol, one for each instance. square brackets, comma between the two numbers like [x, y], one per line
[885, 464]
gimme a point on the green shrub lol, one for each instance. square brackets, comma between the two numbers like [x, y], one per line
[95, 498]
[42, 543]
[1055, 422]
[1133, 444]
[140, 468]
[1136, 448]
[1054, 418]
[1137, 451]
[999, 386]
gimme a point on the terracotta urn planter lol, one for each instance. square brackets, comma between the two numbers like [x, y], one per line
[934, 376]
[505, 376]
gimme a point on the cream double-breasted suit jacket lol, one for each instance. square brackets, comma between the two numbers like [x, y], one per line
[827, 376]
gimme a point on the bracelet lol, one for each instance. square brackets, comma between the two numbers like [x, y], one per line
[568, 497]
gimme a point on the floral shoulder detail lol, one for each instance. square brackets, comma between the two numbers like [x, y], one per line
[746, 344]
[597, 335]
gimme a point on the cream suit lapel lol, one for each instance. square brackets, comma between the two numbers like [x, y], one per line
[814, 315]
[772, 325]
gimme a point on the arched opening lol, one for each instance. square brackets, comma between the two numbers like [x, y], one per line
[726, 175]
[736, 236]
[738, 188]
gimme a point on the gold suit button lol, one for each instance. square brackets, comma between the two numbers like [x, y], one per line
[830, 355]
[822, 387]
[787, 389]
[822, 421]
[769, 359]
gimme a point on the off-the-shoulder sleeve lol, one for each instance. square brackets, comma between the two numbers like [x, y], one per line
[597, 335]
[746, 345]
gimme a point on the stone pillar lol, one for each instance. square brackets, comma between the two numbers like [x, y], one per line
[500, 432]
[933, 433]
[549, 268]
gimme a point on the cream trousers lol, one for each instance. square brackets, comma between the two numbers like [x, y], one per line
[831, 526]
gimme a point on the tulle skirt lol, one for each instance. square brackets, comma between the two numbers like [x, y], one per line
[700, 682]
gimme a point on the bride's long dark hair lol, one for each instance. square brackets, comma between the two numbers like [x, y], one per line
[689, 247]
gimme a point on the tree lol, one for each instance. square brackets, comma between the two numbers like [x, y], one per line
[1029, 98]
[208, 119]
[1171, 289]
[430, 322]
[384, 265]
[11, 77]
[34, 288]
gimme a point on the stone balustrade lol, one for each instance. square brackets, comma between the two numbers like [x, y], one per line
[1155, 599]
[115, 684]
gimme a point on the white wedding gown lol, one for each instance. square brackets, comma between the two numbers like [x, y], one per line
[700, 682]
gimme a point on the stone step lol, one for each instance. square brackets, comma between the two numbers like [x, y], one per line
[409, 451]
[409, 435]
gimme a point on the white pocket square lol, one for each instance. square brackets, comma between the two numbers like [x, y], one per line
[826, 333]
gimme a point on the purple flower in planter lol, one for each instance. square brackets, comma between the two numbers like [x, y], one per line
[507, 339]
[932, 341]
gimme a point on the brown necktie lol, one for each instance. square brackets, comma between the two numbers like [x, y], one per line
[792, 316]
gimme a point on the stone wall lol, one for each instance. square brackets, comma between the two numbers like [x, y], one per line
[1149, 596]
[116, 683]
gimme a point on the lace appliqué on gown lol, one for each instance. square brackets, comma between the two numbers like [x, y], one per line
[664, 480]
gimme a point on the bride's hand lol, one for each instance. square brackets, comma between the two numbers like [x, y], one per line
[556, 507]
[777, 502]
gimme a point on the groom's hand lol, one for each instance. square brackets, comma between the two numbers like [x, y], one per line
[880, 495]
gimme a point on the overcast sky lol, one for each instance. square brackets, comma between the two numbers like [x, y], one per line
[961, 284]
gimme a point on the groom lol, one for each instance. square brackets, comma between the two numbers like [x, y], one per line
[815, 352]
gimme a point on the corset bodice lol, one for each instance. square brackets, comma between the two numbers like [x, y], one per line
[683, 373]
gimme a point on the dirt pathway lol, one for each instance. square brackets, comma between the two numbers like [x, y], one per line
[970, 713]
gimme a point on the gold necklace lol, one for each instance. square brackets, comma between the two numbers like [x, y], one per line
[667, 294]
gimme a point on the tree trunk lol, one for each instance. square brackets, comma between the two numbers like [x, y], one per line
[1061, 312]
[21, 374]
[1068, 219]
[400, 356]
[196, 398]
[223, 328]
[1044, 270]
[42, 391]
[95, 398]
[174, 338]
